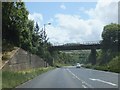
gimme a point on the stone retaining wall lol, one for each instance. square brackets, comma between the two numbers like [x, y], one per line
[23, 60]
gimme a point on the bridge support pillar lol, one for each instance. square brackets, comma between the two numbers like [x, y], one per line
[93, 56]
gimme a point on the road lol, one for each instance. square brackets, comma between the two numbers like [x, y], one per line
[71, 77]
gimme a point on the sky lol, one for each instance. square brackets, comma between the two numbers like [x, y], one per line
[73, 22]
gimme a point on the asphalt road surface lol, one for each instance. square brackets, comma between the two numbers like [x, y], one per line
[72, 77]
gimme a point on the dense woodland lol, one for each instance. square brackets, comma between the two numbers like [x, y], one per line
[18, 30]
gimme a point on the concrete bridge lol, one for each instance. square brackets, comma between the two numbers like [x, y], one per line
[79, 46]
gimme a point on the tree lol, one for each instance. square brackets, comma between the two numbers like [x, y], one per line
[14, 21]
[43, 36]
[110, 37]
[36, 30]
[109, 43]
[30, 26]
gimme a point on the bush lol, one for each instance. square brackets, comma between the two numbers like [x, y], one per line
[114, 64]
[87, 66]
[5, 57]
[102, 67]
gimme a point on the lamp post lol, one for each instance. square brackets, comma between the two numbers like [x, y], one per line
[44, 29]
[46, 24]
[45, 37]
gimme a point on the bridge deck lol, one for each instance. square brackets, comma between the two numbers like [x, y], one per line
[76, 47]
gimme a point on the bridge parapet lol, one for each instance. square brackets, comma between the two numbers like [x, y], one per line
[77, 46]
[83, 43]
[91, 42]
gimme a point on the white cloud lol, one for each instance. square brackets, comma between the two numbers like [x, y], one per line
[37, 17]
[72, 28]
[105, 11]
[63, 6]
[56, 35]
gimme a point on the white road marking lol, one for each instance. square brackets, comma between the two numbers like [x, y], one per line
[84, 86]
[73, 77]
[80, 79]
[87, 84]
[103, 81]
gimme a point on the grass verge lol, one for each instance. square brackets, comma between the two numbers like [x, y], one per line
[103, 68]
[58, 65]
[12, 79]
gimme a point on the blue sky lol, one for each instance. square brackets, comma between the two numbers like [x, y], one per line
[49, 9]
[73, 22]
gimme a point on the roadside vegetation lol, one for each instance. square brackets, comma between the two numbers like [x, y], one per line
[108, 58]
[12, 79]
[19, 31]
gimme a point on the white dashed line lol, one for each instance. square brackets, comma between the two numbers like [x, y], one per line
[87, 84]
[84, 86]
[99, 80]
[80, 79]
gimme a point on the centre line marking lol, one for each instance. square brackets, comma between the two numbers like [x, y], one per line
[80, 79]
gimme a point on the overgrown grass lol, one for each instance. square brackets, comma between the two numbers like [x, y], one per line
[60, 65]
[5, 57]
[12, 79]
[113, 65]
[7, 49]
[7, 46]
[87, 65]
[108, 67]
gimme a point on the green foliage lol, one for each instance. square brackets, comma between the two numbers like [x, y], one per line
[110, 37]
[6, 46]
[114, 64]
[108, 58]
[5, 57]
[102, 67]
[87, 65]
[61, 58]
[110, 43]
[14, 17]
[69, 57]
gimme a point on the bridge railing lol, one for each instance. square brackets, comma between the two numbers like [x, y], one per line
[83, 43]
